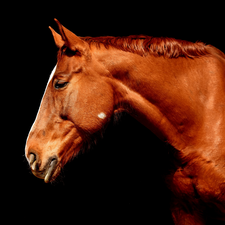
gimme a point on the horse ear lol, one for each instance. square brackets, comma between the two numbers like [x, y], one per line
[72, 41]
[57, 38]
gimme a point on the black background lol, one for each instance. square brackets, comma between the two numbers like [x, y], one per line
[119, 179]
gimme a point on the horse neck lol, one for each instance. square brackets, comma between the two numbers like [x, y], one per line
[168, 96]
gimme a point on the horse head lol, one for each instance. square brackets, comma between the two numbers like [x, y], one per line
[78, 102]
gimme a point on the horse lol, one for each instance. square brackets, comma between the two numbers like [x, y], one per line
[175, 88]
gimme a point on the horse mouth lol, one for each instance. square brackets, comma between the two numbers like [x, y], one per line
[49, 174]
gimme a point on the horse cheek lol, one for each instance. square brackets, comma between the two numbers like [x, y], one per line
[93, 111]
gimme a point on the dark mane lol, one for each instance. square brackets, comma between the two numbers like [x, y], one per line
[143, 45]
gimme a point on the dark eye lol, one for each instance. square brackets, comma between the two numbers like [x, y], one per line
[60, 84]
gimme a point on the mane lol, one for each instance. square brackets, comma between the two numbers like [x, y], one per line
[157, 46]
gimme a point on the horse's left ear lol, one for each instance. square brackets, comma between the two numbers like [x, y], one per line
[72, 41]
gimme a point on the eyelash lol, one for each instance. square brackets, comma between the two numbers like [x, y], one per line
[59, 84]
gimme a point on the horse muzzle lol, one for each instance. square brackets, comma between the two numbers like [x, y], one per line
[47, 172]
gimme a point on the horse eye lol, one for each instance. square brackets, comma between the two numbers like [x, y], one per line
[60, 84]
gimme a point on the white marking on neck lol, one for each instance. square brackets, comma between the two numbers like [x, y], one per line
[101, 115]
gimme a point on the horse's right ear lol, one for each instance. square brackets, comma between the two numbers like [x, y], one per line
[57, 38]
[72, 41]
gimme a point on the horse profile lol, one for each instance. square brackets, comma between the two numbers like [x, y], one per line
[175, 88]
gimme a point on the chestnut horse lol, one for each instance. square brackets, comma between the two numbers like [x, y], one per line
[175, 88]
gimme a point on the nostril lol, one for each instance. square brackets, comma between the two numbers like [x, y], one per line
[32, 158]
[34, 166]
[33, 161]
[51, 169]
[53, 162]
[63, 117]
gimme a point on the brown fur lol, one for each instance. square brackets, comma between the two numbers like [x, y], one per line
[179, 96]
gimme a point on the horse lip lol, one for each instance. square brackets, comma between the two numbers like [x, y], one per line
[39, 174]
